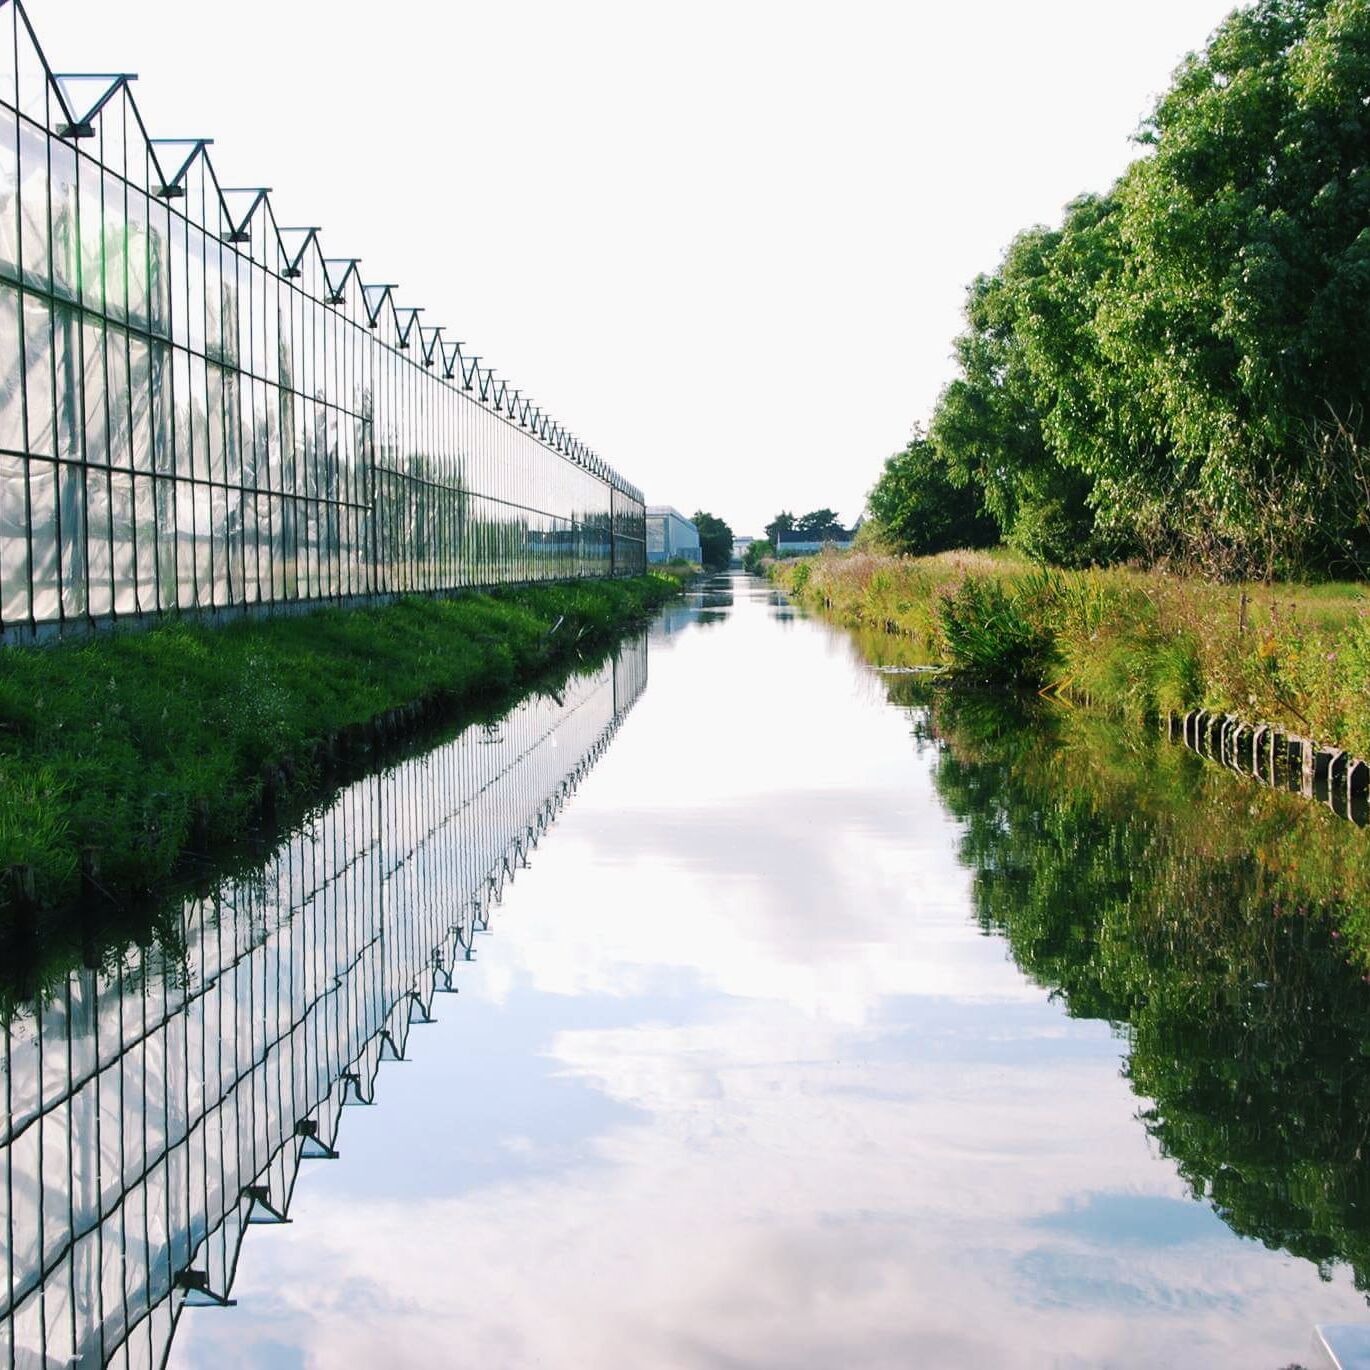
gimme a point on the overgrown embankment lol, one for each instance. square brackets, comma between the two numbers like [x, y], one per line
[120, 753]
[1140, 644]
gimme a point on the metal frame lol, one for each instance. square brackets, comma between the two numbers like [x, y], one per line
[201, 411]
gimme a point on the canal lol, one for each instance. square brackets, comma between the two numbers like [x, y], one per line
[737, 1002]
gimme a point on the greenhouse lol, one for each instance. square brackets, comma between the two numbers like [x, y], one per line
[200, 410]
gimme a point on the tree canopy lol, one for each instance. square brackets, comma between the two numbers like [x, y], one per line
[816, 525]
[715, 541]
[1179, 369]
[756, 554]
[783, 522]
[819, 523]
[919, 508]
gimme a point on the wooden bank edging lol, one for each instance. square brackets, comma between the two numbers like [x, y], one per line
[1281, 760]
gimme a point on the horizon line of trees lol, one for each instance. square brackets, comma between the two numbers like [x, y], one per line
[818, 525]
[1178, 372]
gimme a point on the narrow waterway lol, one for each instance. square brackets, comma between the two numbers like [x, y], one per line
[801, 1022]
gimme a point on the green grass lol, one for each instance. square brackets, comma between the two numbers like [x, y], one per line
[1139, 644]
[990, 637]
[127, 748]
[679, 570]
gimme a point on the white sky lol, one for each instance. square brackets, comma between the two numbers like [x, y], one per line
[725, 243]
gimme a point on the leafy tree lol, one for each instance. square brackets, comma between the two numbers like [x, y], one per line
[920, 510]
[988, 423]
[715, 541]
[1246, 304]
[819, 523]
[781, 523]
[756, 553]
[1093, 419]
[1181, 367]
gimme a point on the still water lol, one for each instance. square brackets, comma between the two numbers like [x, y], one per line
[802, 1019]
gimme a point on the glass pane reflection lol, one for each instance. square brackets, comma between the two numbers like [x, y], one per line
[158, 1106]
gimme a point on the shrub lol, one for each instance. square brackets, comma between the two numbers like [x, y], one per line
[989, 637]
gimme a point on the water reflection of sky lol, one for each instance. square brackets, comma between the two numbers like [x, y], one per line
[737, 1081]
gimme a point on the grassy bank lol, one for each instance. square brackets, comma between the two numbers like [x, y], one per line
[1140, 644]
[121, 753]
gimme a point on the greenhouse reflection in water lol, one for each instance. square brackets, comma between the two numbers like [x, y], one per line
[839, 1027]
[155, 1109]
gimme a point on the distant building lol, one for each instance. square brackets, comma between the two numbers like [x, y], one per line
[740, 546]
[807, 544]
[670, 535]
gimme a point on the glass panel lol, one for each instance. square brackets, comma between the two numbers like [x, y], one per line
[72, 516]
[138, 246]
[93, 366]
[214, 418]
[43, 507]
[99, 553]
[115, 245]
[56, 1180]
[33, 203]
[14, 552]
[38, 374]
[160, 400]
[185, 544]
[117, 373]
[146, 534]
[140, 402]
[11, 377]
[214, 301]
[9, 185]
[159, 268]
[195, 289]
[9, 87]
[85, 1283]
[124, 550]
[165, 495]
[66, 243]
[67, 372]
[92, 234]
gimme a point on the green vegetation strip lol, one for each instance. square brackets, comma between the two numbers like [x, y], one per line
[121, 752]
[1139, 644]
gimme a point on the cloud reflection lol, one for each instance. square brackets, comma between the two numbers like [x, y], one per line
[839, 1128]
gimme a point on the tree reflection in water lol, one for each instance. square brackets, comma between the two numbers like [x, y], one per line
[1220, 927]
